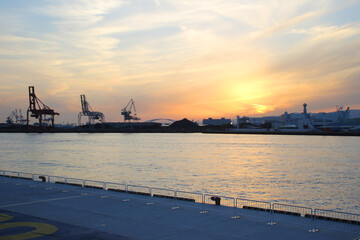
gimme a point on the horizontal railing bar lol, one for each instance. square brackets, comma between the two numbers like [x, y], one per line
[189, 192]
[164, 189]
[245, 199]
[333, 211]
[130, 185]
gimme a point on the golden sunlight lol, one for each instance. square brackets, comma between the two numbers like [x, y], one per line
[262, 108]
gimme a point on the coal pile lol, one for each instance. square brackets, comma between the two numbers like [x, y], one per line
[184, 125]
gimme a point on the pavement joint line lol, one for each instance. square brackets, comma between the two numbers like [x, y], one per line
[195, 207]
[45, 200]
[187, 206]
[168, 203]
[201, 206]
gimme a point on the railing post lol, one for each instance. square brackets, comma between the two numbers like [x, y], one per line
[313, 218]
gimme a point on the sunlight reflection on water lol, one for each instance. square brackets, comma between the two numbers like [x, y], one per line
[313, 171]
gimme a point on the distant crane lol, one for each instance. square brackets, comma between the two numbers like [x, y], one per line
[87, 111]
[342, 115]
[16, 117]
[127, 110]
[39, 110]
[11, 117]
[336, 126]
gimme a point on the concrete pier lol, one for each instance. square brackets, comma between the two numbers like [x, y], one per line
[41, 210]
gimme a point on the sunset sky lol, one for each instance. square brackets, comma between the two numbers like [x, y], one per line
[176, 59]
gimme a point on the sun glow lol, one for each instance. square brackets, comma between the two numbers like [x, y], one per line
[262, 108]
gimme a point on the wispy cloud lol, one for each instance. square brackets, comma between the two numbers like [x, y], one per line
[180, 57]
[80, 13]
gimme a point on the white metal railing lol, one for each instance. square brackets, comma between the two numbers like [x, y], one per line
[253, 208]
[277, 212]
[301, 215]
[348, 222]
[75, 181]
[162, 192]
[189, 196]
[117, 187]
[24, 175]
[11, 174]
[94, 184]
[56, 179]
[141, 190]
[249, 204]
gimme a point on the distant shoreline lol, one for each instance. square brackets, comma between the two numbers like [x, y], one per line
[306, 133]
[167, 130]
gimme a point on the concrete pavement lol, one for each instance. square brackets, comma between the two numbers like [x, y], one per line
[40, 210]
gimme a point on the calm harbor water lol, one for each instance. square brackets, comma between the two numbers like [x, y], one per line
[312, 171]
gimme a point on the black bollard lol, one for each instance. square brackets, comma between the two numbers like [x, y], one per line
[43, 178]
[216, 199]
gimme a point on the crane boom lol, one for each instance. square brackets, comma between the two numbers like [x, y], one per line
[39, 110]
[127, 110]
[87, 111]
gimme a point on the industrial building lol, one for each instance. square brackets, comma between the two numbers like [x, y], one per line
[341, 119]
[216, 122]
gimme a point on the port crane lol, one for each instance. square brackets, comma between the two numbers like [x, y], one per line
[11, 117]
[127, 110]
[88, 111]
[39, 110]
[16, 117]
[342, 116]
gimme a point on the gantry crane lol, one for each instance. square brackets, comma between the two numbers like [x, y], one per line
[127, 110]
[342, 116]
[39, 110]
[11, 119]
[87, 111]
[16, 117]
